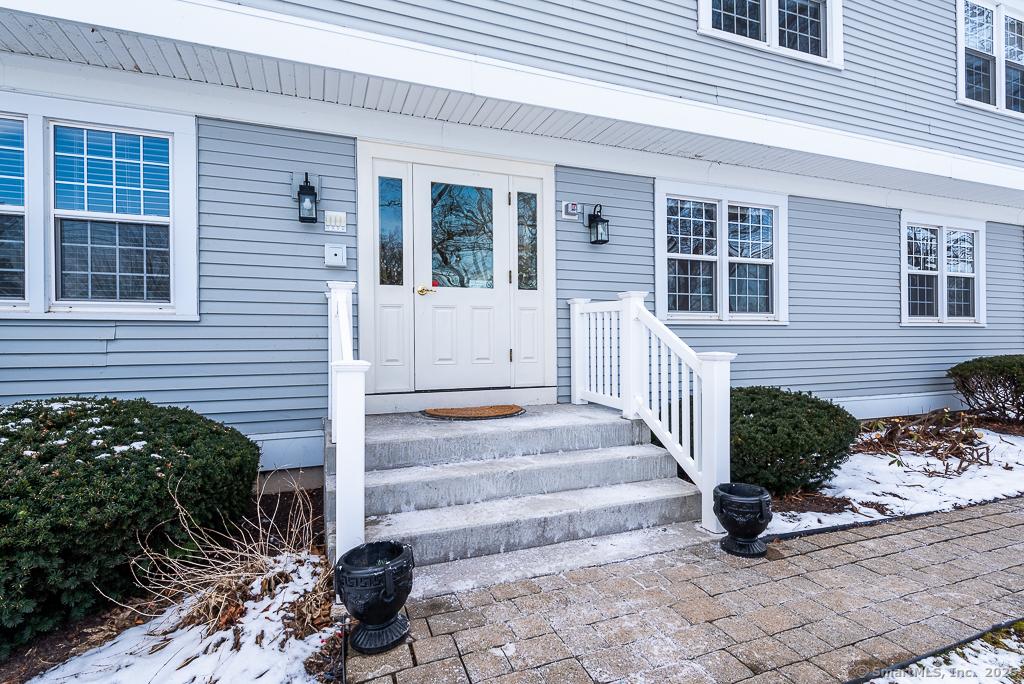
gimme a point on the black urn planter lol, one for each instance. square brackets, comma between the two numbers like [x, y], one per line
[374, 580]
[744, 511]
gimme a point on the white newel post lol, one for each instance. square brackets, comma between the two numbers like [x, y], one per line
[631, 343]
[714, 463]
[578, 350]
[347, 409]
[349, 427]
[339, 331]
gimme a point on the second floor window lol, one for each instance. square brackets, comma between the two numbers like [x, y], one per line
[803, 28]
[991, 56]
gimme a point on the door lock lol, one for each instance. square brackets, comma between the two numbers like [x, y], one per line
[421, 290]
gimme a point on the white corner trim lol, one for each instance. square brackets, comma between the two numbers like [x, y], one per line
[722, 197]
[289, 38]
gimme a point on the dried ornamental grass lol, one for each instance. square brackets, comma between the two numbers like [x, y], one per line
[215, 573]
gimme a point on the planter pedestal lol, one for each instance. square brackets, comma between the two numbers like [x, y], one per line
[374, 580]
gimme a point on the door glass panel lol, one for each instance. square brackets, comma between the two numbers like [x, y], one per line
[462, 235]
[526, 205]
[389, 196]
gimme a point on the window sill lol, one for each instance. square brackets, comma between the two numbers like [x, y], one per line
[685, 320]
[974, 104]
[774, 49]
[97, 315]
[938, 324]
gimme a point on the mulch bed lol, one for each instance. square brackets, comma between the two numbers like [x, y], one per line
[1015, 429]
[810, 502]
[77, 637]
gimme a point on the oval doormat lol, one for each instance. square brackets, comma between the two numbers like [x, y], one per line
[476, 412]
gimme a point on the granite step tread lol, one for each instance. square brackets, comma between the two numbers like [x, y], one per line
[488, 527]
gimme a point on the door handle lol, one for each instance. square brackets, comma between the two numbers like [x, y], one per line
[421, 290]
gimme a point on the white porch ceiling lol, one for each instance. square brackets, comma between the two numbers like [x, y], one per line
[68, 41]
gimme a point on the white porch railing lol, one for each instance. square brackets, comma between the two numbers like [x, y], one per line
[347, 410]
[624, 357]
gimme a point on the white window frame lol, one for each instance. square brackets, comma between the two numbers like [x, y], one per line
[41, 114]
[22, 210]
[943, 224]
[1000, 10]
[723, 197]
[834, 56]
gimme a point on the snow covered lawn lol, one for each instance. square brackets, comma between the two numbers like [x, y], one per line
[994, 659]
[258, 648]
[903, 490]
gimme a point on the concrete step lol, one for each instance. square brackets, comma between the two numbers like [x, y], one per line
[417, 488]
[411, 439]
[479, 529]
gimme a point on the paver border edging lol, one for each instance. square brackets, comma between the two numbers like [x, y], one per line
[796, 534]
[931, 654]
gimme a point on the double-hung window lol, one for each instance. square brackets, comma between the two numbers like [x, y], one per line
[111, 210]
[943, 270]
[12, 210]
[98, 211]
[807, 29]
[991, 55]
[721, 254]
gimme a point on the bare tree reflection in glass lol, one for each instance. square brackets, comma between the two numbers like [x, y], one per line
[526, 205]
[389, 196]
[462, 231]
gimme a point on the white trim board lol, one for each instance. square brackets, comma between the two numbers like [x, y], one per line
[885, 405]
[418, 401]
[155, 93]
[327, 45]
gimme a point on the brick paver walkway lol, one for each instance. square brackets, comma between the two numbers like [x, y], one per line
[823, 608]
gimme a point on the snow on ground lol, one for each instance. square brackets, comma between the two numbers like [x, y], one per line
[186, 656]
[979, 662]
[869, 478]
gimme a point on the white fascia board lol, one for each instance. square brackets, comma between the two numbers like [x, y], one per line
[19, 73]
[284, 37]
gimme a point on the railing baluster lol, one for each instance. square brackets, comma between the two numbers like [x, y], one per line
[664, 384]
[684, 414]
[653, 362]
[675, 408]
[594, 359]
[616, 331]
[606, 330]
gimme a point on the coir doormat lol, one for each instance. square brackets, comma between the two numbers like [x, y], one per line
[476, 412]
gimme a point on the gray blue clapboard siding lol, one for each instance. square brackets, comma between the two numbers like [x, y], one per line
[257, 359]
[899, 82]
[844, 337]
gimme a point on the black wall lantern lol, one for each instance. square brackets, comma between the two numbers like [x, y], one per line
[598, 227]
[307, 202]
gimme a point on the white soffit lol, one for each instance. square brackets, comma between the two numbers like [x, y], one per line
[856, 159]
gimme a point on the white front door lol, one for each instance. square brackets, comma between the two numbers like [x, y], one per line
[462, 278]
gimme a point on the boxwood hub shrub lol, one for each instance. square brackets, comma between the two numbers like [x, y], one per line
[82, 479]
[993, 386]
[787, 441]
